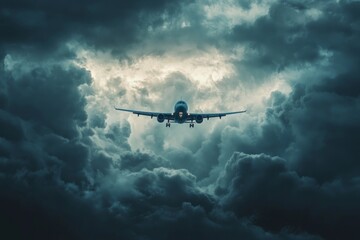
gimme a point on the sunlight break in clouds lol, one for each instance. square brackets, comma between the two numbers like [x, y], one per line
[203, 68]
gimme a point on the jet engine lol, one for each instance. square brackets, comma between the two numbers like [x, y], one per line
[199, 119]
[160, 118]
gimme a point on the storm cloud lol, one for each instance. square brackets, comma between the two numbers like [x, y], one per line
[71, 167]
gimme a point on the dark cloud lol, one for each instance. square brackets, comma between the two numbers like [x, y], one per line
[11, 128]
[44, 26]
[278, 39]
[314, 128]
[277, 197]
[49, 98]
[136, 161]
[332, 131]
[97, 119]
[294, 34]
[50, 210]
[118, 134]
[40, 121]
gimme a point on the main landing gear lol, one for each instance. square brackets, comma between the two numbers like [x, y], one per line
[191, 125]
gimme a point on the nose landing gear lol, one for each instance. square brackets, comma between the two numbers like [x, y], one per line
[191, 125]
[167, 124]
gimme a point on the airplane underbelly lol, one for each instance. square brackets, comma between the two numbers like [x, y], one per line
[180, 117]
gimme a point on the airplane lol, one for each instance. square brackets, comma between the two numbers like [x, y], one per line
[180, 114]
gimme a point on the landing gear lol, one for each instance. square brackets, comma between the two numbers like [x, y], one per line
[191, 125]
[167, 124]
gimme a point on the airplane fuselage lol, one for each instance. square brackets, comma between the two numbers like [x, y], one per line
[180, 112]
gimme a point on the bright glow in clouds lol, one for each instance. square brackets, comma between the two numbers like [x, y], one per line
[204, 69]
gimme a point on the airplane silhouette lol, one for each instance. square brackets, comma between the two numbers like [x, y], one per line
[180, 114]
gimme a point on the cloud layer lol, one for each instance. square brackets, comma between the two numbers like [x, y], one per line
[71, 167]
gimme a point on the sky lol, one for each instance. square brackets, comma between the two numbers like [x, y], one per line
[71, 167]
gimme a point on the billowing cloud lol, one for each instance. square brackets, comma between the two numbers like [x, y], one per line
[262, 187]
[46, 26]
[72, 167]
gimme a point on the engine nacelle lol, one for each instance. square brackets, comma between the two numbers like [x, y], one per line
[160, 118]
[199, 119]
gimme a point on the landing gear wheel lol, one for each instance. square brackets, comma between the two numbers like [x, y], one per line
[191, 125]
[167, 124]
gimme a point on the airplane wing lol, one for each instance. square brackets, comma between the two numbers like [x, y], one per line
[194, 116]
[167, 116]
